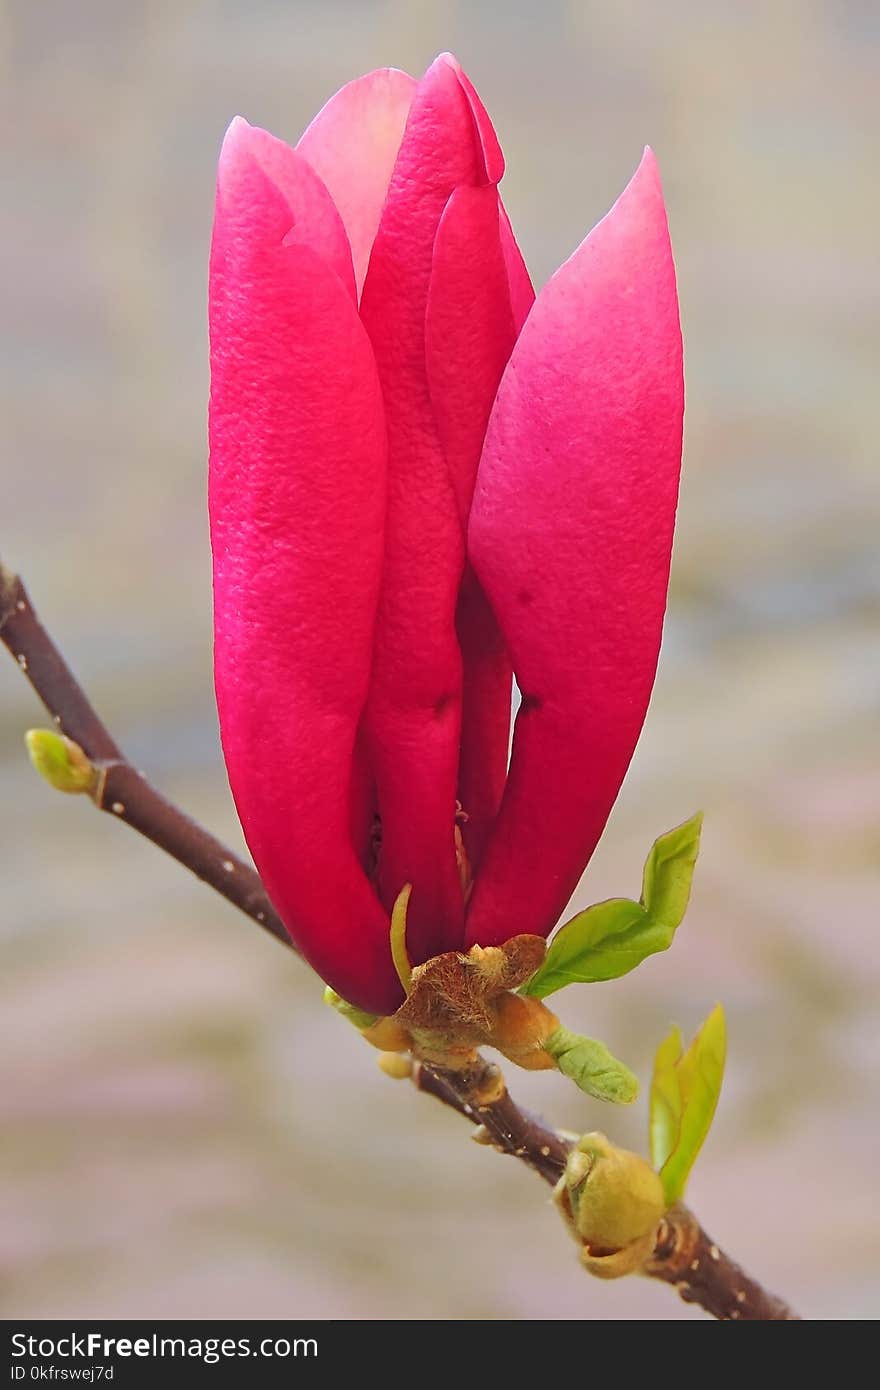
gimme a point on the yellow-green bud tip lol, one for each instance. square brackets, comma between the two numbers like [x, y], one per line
[359, 1017]
[60, 761]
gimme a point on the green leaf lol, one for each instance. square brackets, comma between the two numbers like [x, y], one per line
[665, 1106]
[611, 938]
[669, 869]
[684, 1095]
[592, 1067]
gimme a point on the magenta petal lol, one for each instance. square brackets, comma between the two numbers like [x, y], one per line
[487, 699]
[414, 712]
[251, 161]
[352, 144]
[492, 156]
[469, 330]
[297, 502]
[469, 335]
[522, 294]
[571, 534]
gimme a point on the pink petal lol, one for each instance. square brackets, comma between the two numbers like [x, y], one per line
[363, 806]
[469, 335]
[469, 330]
[297, 501]
[522, 294]
[487, 699]
[414, 711]
[352, 144]
[492, 156]
[571, 535]
[252, 160]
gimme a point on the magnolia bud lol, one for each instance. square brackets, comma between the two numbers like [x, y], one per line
[60, 761]
[614, 1196]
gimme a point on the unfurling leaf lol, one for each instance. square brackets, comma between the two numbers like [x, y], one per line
[591, 1067]
[684, 1095]
[611, 938]
[665, 1103]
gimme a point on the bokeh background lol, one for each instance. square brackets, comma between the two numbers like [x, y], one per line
[187, 1132]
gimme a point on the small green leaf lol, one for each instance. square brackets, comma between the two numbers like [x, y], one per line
[665, 1107]
[399, 953]
[611, 938]
[684, 1095]
[60, 761]
[669, 869]
[591, 1067]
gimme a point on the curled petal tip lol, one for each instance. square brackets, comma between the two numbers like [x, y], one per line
[644, 190]
[237, 124]
[235, 138]
[647, 166]
[269, 195]
[241, 144]
[492, 156]
[646, 176]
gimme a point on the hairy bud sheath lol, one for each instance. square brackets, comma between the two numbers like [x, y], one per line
[613, 1201]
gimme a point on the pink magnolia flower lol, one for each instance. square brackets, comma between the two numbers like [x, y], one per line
[422, 482]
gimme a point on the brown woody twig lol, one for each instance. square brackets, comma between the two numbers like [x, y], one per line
[121, 790]
[684, 1255]
[481, 1095]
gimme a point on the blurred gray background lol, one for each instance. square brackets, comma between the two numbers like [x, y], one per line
[187, 1131]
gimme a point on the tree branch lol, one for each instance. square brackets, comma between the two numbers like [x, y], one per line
[684, 1255]
[480, 1094]
[122, 790]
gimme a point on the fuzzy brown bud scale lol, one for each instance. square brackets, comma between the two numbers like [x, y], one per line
[459, 1002]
